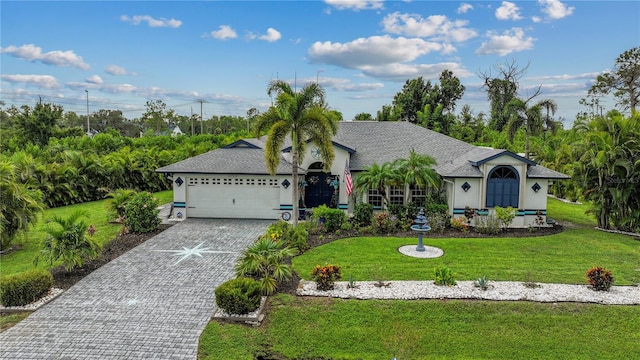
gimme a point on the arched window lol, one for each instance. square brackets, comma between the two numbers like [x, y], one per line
[503, 187]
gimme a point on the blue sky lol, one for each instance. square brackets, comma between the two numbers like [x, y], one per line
[361, 52]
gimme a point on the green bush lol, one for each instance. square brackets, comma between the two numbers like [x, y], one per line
[362, 214]
[505, 216]
[119, 200]
[384, 223]
[296, 238]
[444, 276]
[333, 218]
[142, 213]
[24, 288]
[434, 208]
[488, 224]
[599, 278]
[438, 222]
[325, 276]
[238, 296]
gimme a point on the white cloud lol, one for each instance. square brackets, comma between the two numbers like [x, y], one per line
[341, 84]
[95, 79]
[437, 26]
[272, 35]
[356, 5]
[508, 11]
[555, 9]
[43, 81]
[152, 22]
[589, 76]
[402, 72]
[510, 41]
[117, 70]
[30, 52]
[371, 51]
[225, 32]
[536, 19]
[464, 8]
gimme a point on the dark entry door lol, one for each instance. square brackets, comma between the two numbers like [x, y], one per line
[318, 192]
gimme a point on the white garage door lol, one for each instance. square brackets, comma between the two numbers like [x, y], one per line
[233, 197]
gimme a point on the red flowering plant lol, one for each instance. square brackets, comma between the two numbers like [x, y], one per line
[326, 275]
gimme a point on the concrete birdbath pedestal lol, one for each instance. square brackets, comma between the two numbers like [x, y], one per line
[420, 226]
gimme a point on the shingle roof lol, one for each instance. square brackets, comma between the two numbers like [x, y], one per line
[373, 142]
[228, 161]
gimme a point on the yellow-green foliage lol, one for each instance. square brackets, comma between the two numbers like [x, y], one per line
[24, 288]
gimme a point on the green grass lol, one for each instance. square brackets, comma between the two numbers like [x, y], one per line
[435, 329]
[573, 213]
[8, 320]
[559, 258]
[97, 214]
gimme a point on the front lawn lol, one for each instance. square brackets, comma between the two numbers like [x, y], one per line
[559, 258]
[29, 245]
[568, 212]
[324, 328]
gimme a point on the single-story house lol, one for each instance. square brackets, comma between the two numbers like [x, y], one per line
[233, 181]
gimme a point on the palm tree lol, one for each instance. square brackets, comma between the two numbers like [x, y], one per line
[522, 116]
[550, 108]
[68, 241]
[265, 261]
[378, 177]
[417, 170]
[304, 117]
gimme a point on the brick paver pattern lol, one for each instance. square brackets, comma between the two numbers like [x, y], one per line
[143, 304]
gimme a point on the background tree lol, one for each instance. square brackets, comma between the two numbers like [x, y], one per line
[502, 84]
[623, 80]
[363, 117]
[303, 117]
[526, 117]
[154, 117]
[37, 125]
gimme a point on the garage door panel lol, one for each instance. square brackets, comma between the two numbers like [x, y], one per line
[233, 201]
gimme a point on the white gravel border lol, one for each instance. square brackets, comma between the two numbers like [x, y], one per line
[52, 294]
[498, 290]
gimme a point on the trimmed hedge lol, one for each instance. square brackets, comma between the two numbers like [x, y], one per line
[239, 296]
[333, 218]
[24, 288]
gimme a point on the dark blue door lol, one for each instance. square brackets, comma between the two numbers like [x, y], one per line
[318, 191]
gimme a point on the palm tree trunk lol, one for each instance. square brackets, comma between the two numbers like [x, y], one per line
[294, 176]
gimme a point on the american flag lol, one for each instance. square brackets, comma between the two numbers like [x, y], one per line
[348, 180]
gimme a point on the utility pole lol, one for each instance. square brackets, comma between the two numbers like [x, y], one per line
[201, 124]
[88, 129]
[192, 121]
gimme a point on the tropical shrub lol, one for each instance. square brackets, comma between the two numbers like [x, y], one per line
[119, 200]
[384, 223]
[362, 214]
[19, 204]
[142, 213]
[435, 208]
[599, 278]
[277, 230]
[460, 224]
[296, 237]
[238, 296]
[481, 283]
[488, 225]
[67, 240]
[505, 216]
[438, 222]
[444, 276]
[325, 276]
[24, 288]
[265, 261]
[333, 218]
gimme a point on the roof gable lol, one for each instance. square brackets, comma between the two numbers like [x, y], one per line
[243, 143]
[498, 153]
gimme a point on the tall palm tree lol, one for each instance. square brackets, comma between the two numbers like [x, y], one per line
[378, 177]
[523, 116]
[550, 108]
[304, 117]
[417, 170]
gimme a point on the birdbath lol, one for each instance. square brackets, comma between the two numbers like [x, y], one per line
[420, 226]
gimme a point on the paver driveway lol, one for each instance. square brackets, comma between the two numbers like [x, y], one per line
[152, 302]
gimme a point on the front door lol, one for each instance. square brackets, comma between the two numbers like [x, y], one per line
[319, 190]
